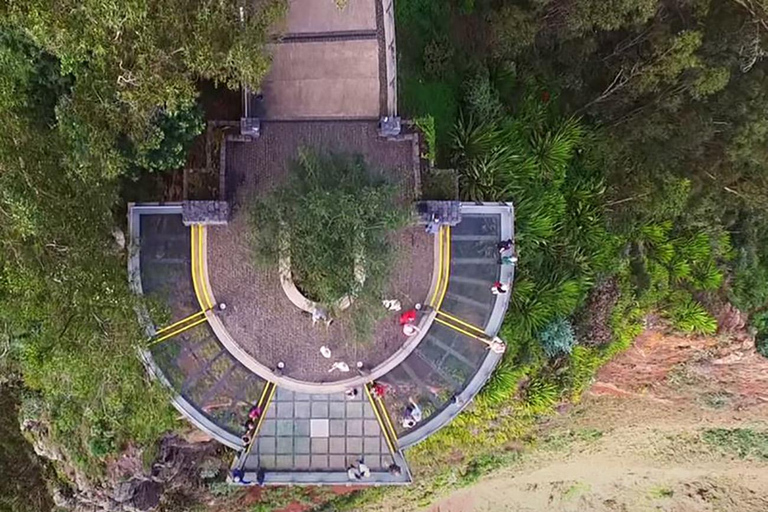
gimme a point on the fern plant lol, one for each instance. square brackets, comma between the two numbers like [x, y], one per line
[540, 396]
[690, 316]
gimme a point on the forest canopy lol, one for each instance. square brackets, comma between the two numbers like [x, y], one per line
[630, 136]
[93, 96]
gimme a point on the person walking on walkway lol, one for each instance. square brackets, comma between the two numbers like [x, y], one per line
[496, 345]
[408, 317]
[238, 476]
[363, 469]
[260, 477]
[378, 390]
[509, 260]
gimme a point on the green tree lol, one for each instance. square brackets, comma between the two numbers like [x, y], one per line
[130, 59]
[172, 134]
[335, 216]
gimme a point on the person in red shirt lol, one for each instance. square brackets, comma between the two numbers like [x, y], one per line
[378, 390]
[408, 317]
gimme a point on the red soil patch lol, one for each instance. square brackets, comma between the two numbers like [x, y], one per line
[663, 365]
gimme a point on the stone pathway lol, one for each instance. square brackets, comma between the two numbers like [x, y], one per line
[328, 64]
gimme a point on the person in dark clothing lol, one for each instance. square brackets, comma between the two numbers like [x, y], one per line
[499, 288]
[505, 245]
[260, 476]
[238, 476]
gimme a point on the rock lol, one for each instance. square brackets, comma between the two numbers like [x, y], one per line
[195, 436]
[63, 500]
[119, 237]
[146, 497]
[124, 491]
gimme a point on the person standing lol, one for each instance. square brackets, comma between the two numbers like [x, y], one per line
[363, 469]
[499, 288]
[378, 390]
[353, 474]
[413, 414]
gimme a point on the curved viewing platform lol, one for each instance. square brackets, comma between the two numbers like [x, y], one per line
[311, 431]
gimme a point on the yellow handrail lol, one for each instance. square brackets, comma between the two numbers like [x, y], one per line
[471, 335]
[447, 265]
[182, 321]
[381, 423]
[461, 322]
[177, 332]
[387, 417]
[439, 283]
[269, 392]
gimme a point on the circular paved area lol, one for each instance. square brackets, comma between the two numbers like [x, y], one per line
[264, 322]
[260, 317]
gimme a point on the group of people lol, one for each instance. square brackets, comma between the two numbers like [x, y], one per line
[359, 471]
[250, 424]
[507, 256]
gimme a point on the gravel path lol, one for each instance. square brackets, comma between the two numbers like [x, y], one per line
[259, 316]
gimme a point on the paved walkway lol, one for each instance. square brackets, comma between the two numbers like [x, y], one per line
[330, 63]
[319, 16]
[324, 79]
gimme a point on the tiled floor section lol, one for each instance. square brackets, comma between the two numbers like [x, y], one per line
[319, 433]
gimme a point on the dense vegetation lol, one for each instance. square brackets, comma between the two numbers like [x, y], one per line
[94, 95]
[334, 218]
[23, 488]
[630, 137]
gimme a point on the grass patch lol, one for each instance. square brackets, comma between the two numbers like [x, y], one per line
[742, 442]
[419, 97]
[575, 490]
[661, 492]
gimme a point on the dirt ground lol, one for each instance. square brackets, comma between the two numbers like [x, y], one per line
[635, 442]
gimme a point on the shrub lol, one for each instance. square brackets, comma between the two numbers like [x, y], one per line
[482, 98]
[593, 326]
[170, 136]
[690, 316]
[557, 338]
[760, 323]
[437, 57]
[427, 126]
[743, 442]
[539, 396]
